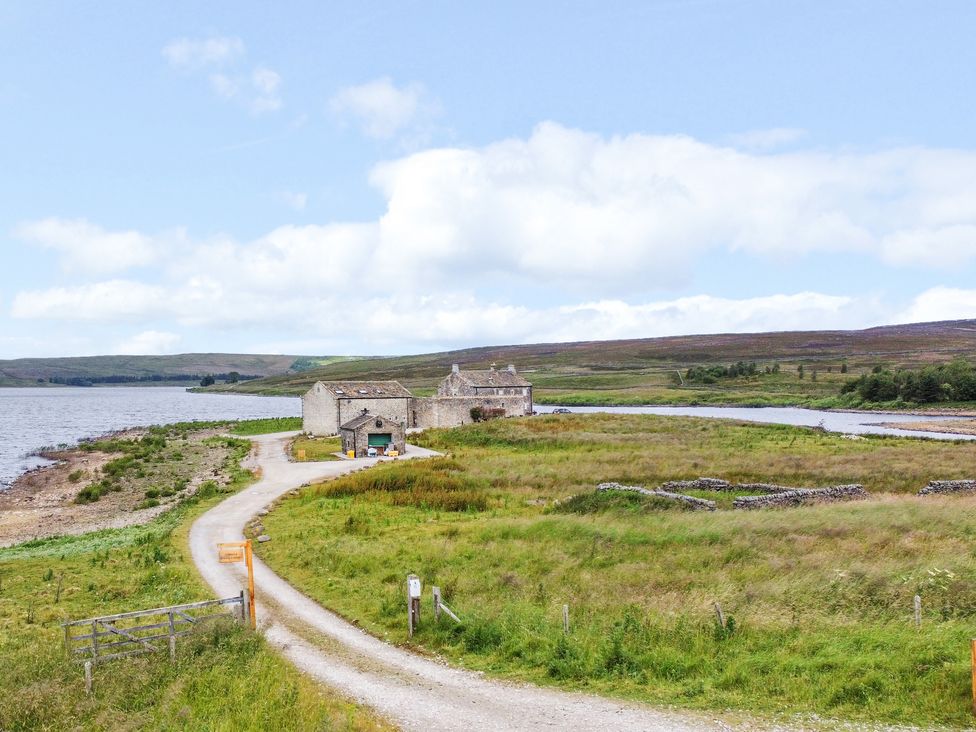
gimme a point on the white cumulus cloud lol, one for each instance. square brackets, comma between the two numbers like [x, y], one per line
[223, 60]
[565, 235]
[940, 303]
[768, 139]
[86, 247]
[382, 109]
[148, 343]
[107, 301]
[194, 53]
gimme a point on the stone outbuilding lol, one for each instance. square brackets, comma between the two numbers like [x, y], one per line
[372, 431]
[330, 404]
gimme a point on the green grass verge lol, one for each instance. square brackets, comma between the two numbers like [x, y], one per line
[315, 449]
[251, 427]
[820, 598]
[224, 678]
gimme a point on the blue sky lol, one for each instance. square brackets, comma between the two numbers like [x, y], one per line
[401, 177]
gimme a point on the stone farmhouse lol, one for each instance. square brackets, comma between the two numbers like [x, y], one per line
[329, 406]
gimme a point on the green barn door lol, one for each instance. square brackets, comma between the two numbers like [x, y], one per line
[380, 440]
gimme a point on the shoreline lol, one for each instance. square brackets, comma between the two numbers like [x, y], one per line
[954, 427]
[41, 502]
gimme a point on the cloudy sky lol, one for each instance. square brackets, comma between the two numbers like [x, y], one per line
[364, 178]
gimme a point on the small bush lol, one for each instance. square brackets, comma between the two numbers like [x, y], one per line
[75, 475]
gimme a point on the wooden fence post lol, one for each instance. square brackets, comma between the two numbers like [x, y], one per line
[94, 641]
[413, 602]
[719, 615]
[972, 656]
[88, 677]
[918, 612]
[172, 637]
[566, 619]
[437, 604]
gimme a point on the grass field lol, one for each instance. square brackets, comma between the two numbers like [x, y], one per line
[819, 598]
[315, 449]
[225, 678]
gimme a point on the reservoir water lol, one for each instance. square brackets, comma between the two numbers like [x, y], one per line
[852, 423]
[31, 418]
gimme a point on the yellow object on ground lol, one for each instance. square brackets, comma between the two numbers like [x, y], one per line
[351, 453]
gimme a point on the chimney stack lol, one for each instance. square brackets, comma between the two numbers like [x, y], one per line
[455, 369]
[511, 368]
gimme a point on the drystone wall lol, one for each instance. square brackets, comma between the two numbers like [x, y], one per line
[768, 494]
[802, 497]
[698, 504]
[948, 486]
[698, 484]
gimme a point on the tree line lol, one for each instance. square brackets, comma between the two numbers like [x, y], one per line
[949, 382]
[142, 379]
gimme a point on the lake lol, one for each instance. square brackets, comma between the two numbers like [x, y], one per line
[31, 418]
[852, 423]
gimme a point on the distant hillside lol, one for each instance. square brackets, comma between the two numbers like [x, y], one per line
[183, 368]
[651, 370]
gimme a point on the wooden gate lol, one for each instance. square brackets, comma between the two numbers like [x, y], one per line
[144, 631]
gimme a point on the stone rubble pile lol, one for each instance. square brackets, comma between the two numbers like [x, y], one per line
[948, 486]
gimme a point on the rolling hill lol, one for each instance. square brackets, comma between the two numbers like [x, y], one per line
[182, 368]
[650, 370]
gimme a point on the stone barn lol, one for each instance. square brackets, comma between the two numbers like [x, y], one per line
[328, 405]
[371, 431]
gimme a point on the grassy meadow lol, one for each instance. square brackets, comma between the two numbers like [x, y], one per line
[818, 600]
[225, 677]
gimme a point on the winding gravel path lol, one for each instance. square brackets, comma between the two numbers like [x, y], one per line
[415, 692]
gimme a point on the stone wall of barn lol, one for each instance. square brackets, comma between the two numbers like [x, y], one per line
[323, 414]
[447, 411]
[319, 412]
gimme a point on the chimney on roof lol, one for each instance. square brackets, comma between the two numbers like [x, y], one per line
[455, 369]
[511, 368]
[492, 367]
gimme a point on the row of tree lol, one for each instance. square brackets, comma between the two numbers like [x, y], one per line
[954, 381]
[231, 377]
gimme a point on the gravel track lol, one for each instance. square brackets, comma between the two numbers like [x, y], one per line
[414, 692]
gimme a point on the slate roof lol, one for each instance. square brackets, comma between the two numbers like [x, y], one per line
[360, 421]
[489, 377]
[367, 389]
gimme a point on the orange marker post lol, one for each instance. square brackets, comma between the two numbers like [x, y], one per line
[972, 654]
[230, 552]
